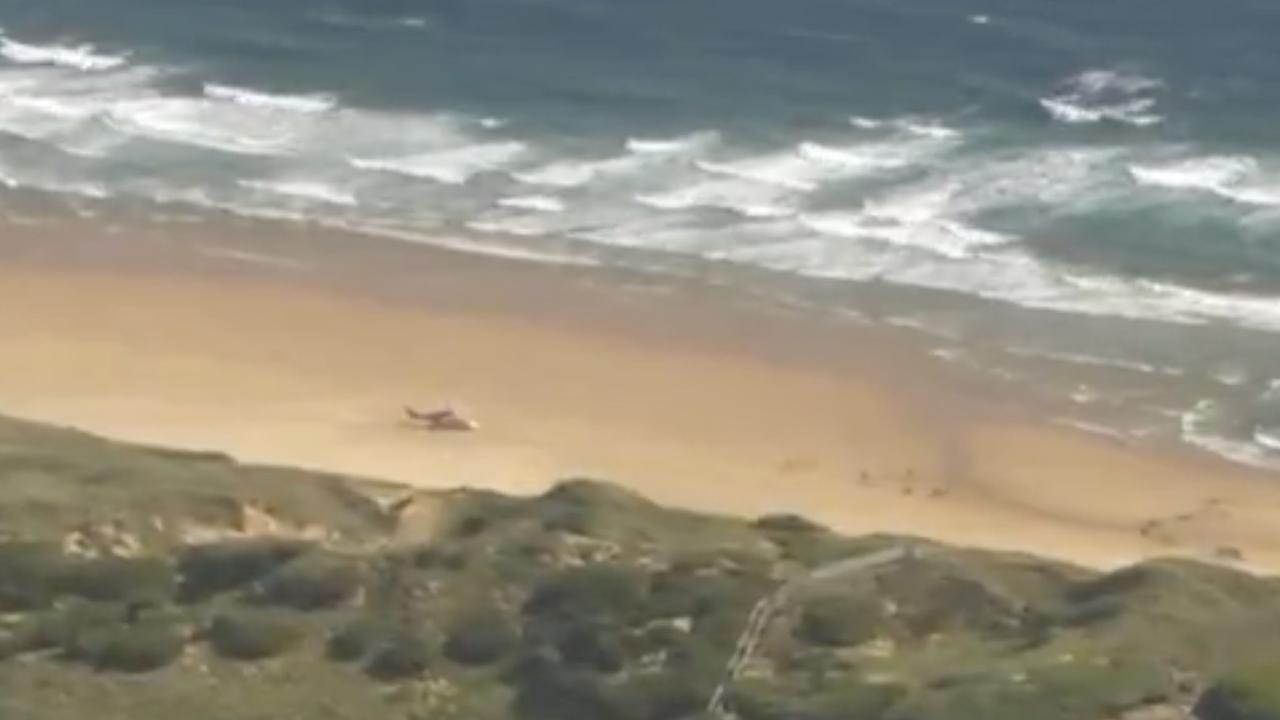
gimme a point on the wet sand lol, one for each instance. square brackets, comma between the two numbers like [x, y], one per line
[300, 347]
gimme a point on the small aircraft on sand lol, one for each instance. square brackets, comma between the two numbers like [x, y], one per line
[443, 419]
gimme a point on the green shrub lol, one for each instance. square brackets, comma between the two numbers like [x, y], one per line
[763, 700]
[1120, 582]
[140, 647]
[802, 541]
[577, 507]
[312, 582]
[934, 597]
[62, 627]
[1249, 693]
[480, 637]
[595, 647]
[659, 696]
[28, 575]
[837, 621]
[125, 580]
[355, 640]
[583, 612]
[207, 570]
[246, 634]
[787, 523]
[40, 631]
[400, 658]
[600, 590]
[697, 591]
[548, 691]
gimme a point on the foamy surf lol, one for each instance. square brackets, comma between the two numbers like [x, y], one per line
[928, 129]
[1096, 96]
[308, 103]
[308, 190]
[829, 158]
[748, 199]
[536, 203]
[1069, 109]
[1207, 426]
[194, 122]
[1234, 177]
[577, 173]
[83, 57]
[945, 238]
[453, 167]
[684, 143]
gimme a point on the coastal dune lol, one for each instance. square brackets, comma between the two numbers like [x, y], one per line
[300, 347]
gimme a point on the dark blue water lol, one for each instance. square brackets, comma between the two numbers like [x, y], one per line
[1107, 170]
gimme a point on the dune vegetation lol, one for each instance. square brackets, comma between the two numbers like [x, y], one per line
[140, 583]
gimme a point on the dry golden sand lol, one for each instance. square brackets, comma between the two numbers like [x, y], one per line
[303, 350]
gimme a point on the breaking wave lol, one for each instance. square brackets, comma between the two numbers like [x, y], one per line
[312, 103]
[1106, 95]
[454, 166]
[84, 57]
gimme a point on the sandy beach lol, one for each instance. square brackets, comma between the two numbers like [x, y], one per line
[300, 347]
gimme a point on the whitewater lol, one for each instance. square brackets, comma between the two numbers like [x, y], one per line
[1019, 172]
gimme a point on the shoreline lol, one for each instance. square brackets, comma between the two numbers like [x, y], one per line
[297, 346]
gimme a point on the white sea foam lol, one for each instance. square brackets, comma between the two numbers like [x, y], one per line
[1234, 177]
[79, 57]
[1231, 375]
[1077, 358]
[1266, 196]
[1105, 95]
[564, 174]
[786, 170]
[252, 258]
[307, 103]
[1084, 395]
[1103, 80]
[67, 108]
[519, 226]
[927, 128]
[771, 185]
[1070, 110]
[980, 19]
[855, 159]
[948, 354]
[749, 199]
[576, 173]
[682, 144]
[196, 122]
[1268, 438]
[310, 190]
[946, 238]
[1200, 427]
[1094, 428]
[810, 164]
[1211, 173]
[453, 166]
[536, 203]
[866, 123]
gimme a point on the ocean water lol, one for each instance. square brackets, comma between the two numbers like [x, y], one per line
[1081, 197]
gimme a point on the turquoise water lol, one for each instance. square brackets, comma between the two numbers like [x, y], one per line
[1095, 185]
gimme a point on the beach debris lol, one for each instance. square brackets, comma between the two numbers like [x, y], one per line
[442, 419]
